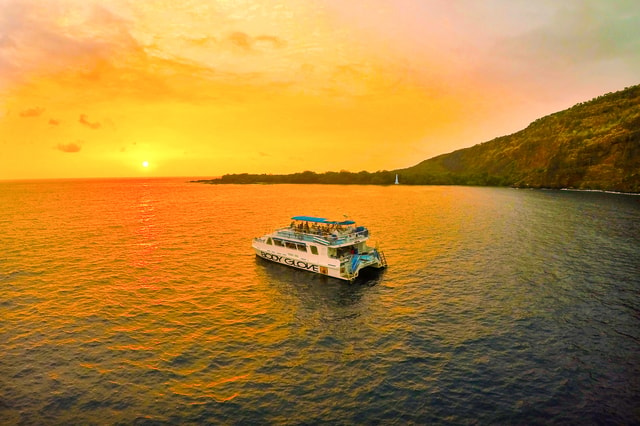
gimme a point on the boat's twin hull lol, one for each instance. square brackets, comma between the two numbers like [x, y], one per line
[334, 249]
[334, 270]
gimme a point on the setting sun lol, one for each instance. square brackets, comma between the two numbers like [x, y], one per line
[145, 164]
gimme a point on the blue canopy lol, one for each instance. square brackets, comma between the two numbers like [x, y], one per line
[322, 220]
[310, 219]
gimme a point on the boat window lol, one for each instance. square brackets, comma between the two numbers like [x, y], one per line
[302, 247]
[291, 245]
[314, 249]
[278, 243]
[269, 241]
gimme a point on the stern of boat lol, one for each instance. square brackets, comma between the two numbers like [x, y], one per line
[357, 262]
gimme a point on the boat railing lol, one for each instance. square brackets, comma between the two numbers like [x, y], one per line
[323, 239]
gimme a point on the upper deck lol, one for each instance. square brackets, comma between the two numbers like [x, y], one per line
[334, 239]
[323, 231]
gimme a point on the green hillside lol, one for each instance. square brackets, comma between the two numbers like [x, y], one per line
[593, 145]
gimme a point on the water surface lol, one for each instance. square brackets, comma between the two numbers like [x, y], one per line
[140, 301]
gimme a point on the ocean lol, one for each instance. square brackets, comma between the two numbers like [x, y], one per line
[140, 301]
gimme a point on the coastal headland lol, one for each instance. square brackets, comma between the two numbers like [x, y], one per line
[594, 145]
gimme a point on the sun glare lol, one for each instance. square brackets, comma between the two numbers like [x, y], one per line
[145, 164]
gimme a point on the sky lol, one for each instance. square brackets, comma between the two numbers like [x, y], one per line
[127, 88]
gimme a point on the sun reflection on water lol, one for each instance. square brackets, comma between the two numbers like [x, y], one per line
[146, 257]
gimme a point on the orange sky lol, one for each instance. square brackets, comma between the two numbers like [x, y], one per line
[203, 88]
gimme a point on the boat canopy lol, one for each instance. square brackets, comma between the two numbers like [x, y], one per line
[322, 220]
[310, 219]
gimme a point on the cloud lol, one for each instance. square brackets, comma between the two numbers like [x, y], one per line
[69, 147]
[240, 40]
[206, 41]
[578, 35]
[273, 41]
[45, 35]
[32, 112]
[54, 122]
[247, 43]
[89, 51]
[84, 120]
[106, 51]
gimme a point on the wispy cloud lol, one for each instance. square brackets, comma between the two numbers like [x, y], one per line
[267, 40]
[69, 147]
[85, 121]
[34, 37]
[240, 40]
[32, 112]
[246, 43]
[54, 122]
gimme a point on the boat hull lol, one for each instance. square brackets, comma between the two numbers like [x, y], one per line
[336, 269]
[304, 264]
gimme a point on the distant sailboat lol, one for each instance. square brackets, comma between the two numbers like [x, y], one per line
[397, 179]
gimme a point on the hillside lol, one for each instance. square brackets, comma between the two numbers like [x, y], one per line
[593, 145]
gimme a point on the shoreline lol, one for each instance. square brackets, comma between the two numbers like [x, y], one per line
[606, 191]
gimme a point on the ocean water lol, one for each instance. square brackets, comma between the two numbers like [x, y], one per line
[141, 302]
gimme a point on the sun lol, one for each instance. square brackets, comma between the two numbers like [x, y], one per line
[145, 164]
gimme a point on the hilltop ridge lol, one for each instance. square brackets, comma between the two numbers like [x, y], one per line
[592, 145]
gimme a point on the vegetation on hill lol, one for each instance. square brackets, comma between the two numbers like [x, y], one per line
[341, 178]
[592, 145]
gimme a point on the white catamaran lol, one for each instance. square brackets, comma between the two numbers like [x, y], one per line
[315, 244]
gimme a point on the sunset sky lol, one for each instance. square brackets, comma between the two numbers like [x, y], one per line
[96, 88]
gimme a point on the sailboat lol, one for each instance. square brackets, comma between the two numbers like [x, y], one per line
[397, 179]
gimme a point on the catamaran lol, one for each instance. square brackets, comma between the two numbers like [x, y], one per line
[334, 248]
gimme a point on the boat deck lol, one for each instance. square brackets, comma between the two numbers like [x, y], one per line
[326, 239]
